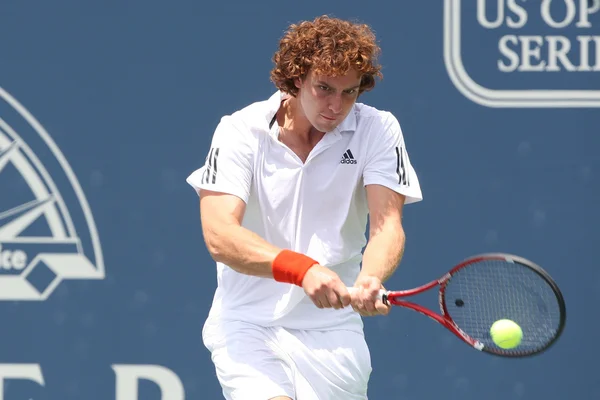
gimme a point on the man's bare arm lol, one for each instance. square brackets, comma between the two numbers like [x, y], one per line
[247, 253]
[385, 247]
[228, 241]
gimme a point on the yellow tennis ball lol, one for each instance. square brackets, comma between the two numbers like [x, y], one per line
[506, 334]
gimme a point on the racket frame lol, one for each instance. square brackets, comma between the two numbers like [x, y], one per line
[394, 298]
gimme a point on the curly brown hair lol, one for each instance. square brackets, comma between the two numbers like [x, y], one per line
[327, 46]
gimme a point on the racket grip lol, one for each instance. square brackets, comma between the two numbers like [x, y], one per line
[382, 293]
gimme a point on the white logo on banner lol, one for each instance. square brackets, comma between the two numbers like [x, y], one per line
[39, 236]
[518, 52]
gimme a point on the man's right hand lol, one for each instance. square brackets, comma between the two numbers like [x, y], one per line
[325, 288]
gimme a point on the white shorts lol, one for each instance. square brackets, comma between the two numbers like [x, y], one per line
[257, 363]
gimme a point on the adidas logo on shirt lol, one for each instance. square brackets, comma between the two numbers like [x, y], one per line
[348, 158]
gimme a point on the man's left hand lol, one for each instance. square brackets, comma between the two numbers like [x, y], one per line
[366, 300]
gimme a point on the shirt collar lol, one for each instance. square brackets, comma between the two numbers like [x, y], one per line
[274, 102]
[273, 105]
[349, 123]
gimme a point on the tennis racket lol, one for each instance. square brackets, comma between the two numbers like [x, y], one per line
[486, 288]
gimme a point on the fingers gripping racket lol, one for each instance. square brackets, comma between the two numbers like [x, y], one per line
[490, 287]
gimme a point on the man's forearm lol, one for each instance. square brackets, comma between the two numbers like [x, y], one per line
[242, 250]
[383, 253]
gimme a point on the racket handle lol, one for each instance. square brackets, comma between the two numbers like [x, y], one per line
[382, 293]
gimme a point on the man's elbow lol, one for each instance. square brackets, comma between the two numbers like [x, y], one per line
[394, 235]
[215, 244]
[389, 229]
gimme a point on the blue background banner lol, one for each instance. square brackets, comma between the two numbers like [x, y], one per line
[106, 107]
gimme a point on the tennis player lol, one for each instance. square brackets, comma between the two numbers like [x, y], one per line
[285, 193]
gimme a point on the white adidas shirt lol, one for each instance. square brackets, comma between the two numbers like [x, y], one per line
[318, 208]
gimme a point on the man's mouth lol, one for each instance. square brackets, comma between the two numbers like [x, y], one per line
[328, 118]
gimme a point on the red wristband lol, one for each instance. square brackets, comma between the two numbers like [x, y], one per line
[290, 267]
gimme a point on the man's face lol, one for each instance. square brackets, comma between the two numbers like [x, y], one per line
[326, 101]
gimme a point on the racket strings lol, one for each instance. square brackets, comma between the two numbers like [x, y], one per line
[484, 292]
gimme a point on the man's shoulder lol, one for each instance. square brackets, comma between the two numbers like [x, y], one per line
[372, 116]
[365, 111]
[254, 114]
[247, 124]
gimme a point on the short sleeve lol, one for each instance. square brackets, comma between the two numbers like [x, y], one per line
[228, 167]
[388, 163]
